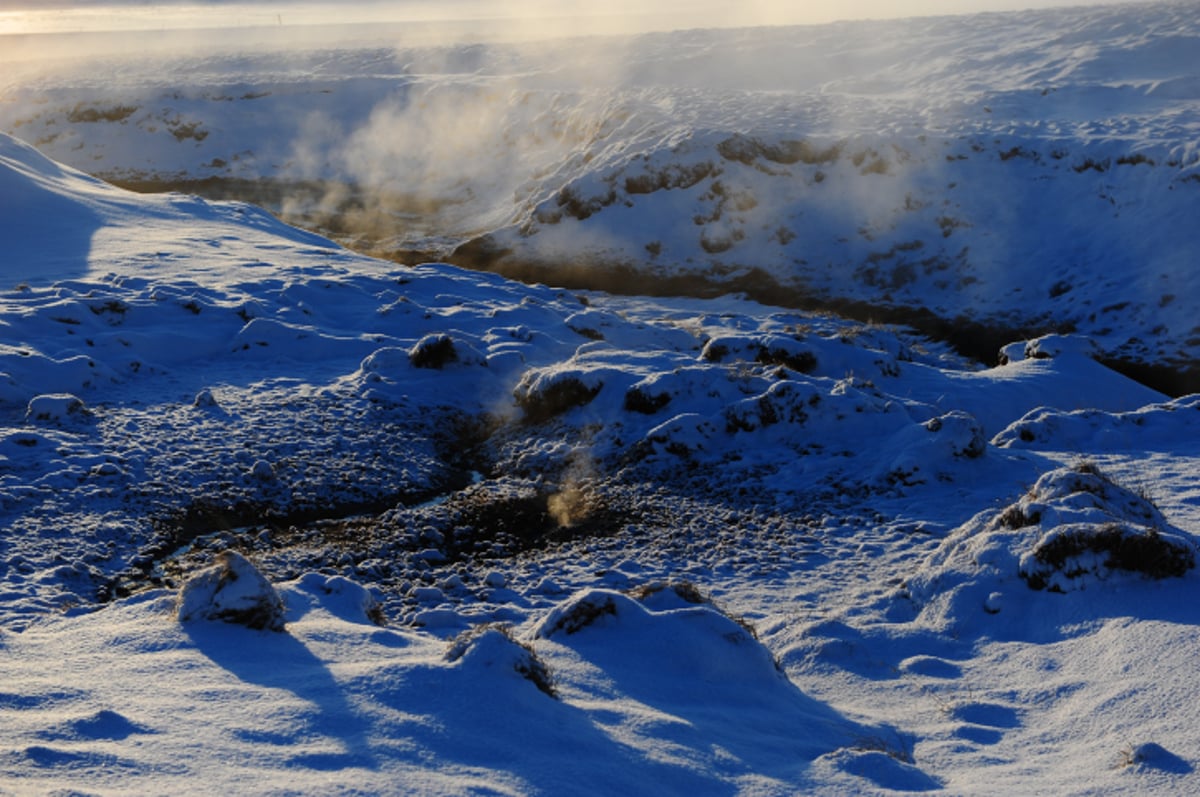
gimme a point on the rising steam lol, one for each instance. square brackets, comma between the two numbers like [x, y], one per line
[574, 502]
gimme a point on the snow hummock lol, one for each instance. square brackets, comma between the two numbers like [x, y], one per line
[232, 591]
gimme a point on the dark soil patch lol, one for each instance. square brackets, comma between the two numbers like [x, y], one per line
[638, 400]
[176, 530]
[336, 522]
[484, 524]
[359, 219]
[970, 338]
[1176, 380]
[462, 521]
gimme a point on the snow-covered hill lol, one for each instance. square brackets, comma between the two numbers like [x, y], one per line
[1028, 172]
[522, 539]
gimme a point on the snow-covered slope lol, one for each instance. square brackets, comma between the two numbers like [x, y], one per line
[1034, 171]
[63, 224]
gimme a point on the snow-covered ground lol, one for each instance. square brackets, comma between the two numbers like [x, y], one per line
[527, 539]
[1030, 172]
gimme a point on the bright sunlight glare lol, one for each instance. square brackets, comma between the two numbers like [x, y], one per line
[634, 16]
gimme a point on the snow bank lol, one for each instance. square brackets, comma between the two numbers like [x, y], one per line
[641, 705]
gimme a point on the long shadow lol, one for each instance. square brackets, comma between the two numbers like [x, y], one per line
[491, 722]
[725, 693]
[280, 661]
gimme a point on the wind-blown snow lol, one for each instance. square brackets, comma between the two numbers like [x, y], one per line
[536, 540]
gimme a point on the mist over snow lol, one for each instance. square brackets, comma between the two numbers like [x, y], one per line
[1014, 174]
[310, 509]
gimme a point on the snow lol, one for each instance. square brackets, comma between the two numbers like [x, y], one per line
[280, 517]
[232, 591]
[960, 164]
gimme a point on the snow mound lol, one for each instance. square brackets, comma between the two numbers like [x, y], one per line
[693, 672]
[1091, 429]
[933, 448]
[233, 591]
[437, 350]
[670, 632]
[340, 596]
[545, 393]
[57, 408]
[492, 647]
[1151, 755]
[1075, 529]
[1093, 528]
[1049, 346]
[885, 769]
[1067, 554]
[695, 640]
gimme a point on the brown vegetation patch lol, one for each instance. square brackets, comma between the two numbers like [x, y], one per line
[747, 149]
[1149, 553]
[86, 114]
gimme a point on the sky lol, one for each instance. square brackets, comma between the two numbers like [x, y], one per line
[55, 16]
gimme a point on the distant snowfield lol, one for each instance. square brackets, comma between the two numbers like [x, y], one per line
[528, 539]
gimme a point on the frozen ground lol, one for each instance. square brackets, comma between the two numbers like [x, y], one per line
[523, 539]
